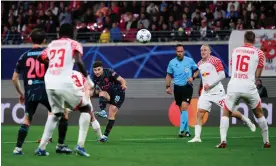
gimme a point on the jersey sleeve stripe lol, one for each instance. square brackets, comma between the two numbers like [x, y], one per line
[217, 63]
[261, 59]
[76, 47]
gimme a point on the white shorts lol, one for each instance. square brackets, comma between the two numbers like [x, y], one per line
[70, 98]
[89, 102]
[205, 100]
[253, 100]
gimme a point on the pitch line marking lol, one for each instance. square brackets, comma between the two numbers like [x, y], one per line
[155, 139]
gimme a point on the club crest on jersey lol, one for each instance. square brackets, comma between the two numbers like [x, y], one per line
[186, 70]
[30, 82]
[205, 74]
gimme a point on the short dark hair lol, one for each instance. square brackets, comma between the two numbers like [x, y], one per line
[66, 30]
[97, 64]
[179, 45]
[249, 37]
[38, 36]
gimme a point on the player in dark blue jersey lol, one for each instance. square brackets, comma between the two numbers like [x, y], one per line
[112, 90]
[32, 72]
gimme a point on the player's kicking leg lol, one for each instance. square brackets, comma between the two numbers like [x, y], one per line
[246, 120]
[104, 98]
[258, 112]
[116, 101]
[111, 121]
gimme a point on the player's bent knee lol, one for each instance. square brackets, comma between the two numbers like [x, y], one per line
[200, 110]
[27, 121]
[102, 93]
[258, 112]
[113, 108]
[112, 111]
[201, 113]
[226, 113]
[93, 118]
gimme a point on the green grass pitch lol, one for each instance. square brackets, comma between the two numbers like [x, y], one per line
[145, 146]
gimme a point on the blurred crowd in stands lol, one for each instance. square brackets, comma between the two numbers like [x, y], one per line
[111, 21]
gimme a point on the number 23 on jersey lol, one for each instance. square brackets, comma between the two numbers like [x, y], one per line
[57, 58]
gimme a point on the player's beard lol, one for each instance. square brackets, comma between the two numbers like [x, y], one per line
[180, 57]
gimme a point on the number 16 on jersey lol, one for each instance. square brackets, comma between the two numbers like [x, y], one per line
[242, 65]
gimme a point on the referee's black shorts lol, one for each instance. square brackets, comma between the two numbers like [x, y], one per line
[183, 93]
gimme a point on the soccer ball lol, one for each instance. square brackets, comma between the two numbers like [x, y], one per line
[143, 36]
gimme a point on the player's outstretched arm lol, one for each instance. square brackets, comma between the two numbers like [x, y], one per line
[122, 81]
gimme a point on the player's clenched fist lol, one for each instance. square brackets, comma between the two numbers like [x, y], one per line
[124, 87]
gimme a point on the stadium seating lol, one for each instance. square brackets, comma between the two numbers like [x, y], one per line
[168, 21]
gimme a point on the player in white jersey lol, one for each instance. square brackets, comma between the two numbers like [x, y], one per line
[87, 90]
[247, 63]
[62, 55]
[212, 73]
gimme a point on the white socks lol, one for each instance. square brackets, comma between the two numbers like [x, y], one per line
[48, 130]
[198, 131]
[264, 128]
[224, 125]
[97, 128]
[84, 122]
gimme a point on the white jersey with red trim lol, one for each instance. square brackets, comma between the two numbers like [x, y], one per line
[244, 62]
[209, 72]
[61, 61]
[79, 80]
